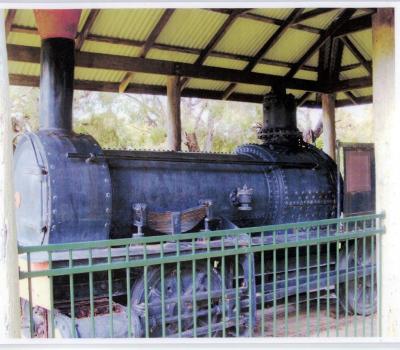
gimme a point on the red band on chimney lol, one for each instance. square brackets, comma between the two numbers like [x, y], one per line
[57, 23]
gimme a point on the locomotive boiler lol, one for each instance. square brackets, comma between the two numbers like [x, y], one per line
[69, 189]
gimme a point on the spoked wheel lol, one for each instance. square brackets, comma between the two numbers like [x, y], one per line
[175, 302]
[360, 296]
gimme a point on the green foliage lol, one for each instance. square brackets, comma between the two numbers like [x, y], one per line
[125, 121]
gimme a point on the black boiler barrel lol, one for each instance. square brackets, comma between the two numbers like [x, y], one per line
[300, 184]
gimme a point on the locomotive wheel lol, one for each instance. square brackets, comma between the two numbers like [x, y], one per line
[171, 302]
[354, 302]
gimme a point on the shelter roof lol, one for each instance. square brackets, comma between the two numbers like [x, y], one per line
[232, 54]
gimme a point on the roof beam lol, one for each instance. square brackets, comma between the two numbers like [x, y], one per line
[86, 28]
[344, 16]
[267, 46]
[353, 49]
[170, 48]
[175, 48]
[303, 98]
[355, 25]
[9, 19]
[215, 40]
[29, 80]
[350, 84]
[340, 103]
[144, 65]
[314, 13]
[351, 97]
[275, 21]
[148, 44]
[330, 60]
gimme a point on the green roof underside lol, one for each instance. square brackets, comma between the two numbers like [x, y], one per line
[248, 48]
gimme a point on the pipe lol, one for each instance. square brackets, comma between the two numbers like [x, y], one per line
[58, 29]
[57, 84]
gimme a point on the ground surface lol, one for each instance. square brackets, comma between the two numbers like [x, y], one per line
[315, 322]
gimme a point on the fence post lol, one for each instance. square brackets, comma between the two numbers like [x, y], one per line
[9, 282]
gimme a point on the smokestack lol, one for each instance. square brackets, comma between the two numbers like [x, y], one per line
[279, 119]
[57, 28]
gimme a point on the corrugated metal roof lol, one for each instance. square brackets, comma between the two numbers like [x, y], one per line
[252, 89]
[171, 56]
[225, 63]
[94, 74]
[193, 29]
[299, 43]
[322, 21]
[348, 58]
[149, 79]
[313, 61]
[295, 93]
[353, 73]
[126, 23]
[24, 69]
[278, 13]
[115, 49]
[206, 84]
[24, 39]
[341, 96]
[25, 18]
[83, 18]
[246, 37]
[304, 74]
[363, 92]
[268, 69]
[363, 41]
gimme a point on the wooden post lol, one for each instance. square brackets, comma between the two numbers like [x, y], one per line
[9, 292]
[387, 145]
[328, 122]
[174, 113]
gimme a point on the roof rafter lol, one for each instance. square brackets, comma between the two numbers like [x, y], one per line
[351, 97]
[267, 46]
[275, 21]
[344, 16]
[357, 54]
[314, 13]
[86, 28]
[9, 19]
[340, 103]
[215, 40]
[175, 48]
[29, 80]
[330, 60]
[148, 44]
[303, 98]
[152, 66]
[136, 64]
[355, 25]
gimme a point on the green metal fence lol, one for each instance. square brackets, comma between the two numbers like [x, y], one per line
[315, 278]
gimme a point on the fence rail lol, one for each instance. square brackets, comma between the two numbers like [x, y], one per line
[305, 279]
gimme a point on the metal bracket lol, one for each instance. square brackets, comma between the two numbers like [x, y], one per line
[139, 217]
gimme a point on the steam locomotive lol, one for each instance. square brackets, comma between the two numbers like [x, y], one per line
[68, 189]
